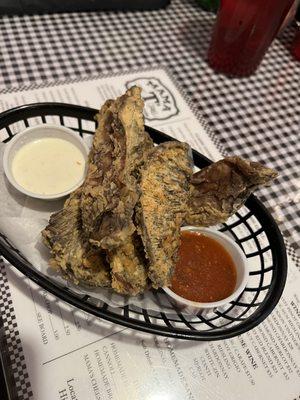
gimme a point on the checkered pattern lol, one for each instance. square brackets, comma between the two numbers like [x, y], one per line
[257, 117]
[294, 256]
[13, 341]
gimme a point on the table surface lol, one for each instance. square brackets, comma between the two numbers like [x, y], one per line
[256, 117]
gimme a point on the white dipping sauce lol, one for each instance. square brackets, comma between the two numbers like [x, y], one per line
[48, 166]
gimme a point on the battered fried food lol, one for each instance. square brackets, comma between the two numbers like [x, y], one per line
[110, 190]
[122, 227]
[220, 189]
[71, 252]
[128, 266]
[162, 207]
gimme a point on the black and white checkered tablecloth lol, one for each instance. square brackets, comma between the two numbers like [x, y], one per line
[257, 117]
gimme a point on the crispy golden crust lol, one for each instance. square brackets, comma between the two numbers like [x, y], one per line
[128, 266]
[122, 227]
[110, 190]
[162, 207]
[96, 222]
[71, 252]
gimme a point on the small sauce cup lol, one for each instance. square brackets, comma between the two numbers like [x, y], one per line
[242, 275]
[32, 134]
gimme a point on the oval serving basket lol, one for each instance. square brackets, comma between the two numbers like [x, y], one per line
[252, 228]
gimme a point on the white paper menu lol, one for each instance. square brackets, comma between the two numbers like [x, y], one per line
[72, 355]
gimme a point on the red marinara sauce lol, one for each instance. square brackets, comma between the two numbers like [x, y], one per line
[205, 271]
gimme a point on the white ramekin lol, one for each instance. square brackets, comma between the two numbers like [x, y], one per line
[240, 261]
[37, 132]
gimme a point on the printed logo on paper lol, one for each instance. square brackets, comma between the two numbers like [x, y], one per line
[160, 103]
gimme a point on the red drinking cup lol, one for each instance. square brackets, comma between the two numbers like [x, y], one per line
[296, 46]
[243, 32]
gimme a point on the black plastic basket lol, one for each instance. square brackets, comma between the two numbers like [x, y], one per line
[267, 278]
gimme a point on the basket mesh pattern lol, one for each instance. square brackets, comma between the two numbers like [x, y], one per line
[252, 228]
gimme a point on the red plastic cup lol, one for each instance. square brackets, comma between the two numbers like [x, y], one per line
[296, 46]
[243, 32]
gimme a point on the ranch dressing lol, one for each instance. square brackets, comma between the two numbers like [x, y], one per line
[48, 166]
